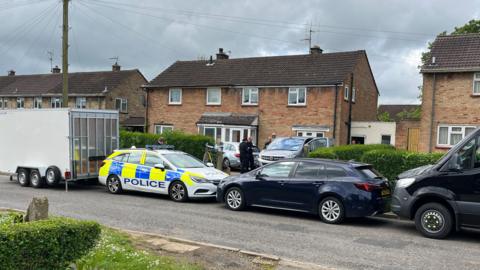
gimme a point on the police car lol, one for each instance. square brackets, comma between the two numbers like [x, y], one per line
[162, 171]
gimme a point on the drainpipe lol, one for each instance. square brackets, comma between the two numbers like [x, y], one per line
[349, 123]
[335, 113]
[434, 86]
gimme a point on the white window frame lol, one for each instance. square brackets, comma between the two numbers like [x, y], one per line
[79, 101]
[476, 79]
[56, 102]
[297, 90]
[219, 98]
[345, 93]
[123, 101]
[170, 96]
[37, 102]
[20, 103]
[354, 94]
[159, 129]
[250, 89]
[450, 132]
[3, 103]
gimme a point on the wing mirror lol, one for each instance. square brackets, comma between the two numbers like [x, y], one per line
[209, 164]
[160, 166]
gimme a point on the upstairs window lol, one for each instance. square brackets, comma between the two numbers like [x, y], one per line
[297, 96]
[56, 102]
[81, 103]
[175, 96]
[345, 93]
[121, 104]
[20, 103]
[476, 84]
[250, 96]
[214, 96]
[37, 102]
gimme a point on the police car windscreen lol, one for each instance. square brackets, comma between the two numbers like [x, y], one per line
[184, 161]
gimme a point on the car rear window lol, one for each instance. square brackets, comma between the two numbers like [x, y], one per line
[369, 172]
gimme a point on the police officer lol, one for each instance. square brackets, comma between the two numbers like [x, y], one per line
[251, 159]
[244, 155]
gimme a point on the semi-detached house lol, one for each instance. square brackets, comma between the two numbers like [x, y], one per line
[295, 95]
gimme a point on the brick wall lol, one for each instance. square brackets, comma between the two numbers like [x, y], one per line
[454, 104]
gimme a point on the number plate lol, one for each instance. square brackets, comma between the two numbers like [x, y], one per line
[385, 192]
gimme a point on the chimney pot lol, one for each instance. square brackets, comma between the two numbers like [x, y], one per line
[116, 67]
[56, 70]
[221, 54]
[316, 50]
[11, 72]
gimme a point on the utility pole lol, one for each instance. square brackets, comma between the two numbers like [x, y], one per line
[65, 30]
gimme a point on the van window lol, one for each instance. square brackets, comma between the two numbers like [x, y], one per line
[468, 157]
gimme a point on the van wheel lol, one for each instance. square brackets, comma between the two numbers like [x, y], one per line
[331, 210]
[434, 220]
[23, 177]
[114, 185]
[53, 176]
[36, 179]
[178, 192]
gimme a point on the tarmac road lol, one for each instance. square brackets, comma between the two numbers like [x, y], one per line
[370, 243]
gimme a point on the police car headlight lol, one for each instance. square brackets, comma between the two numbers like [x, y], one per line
[405, 182]
[198, 179]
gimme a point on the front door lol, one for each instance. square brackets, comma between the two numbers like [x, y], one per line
[269, 188]
[302, 188]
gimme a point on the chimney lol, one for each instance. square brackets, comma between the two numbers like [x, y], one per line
[116, 67]
[56, 70]
[221, 54]
[11, 72]
[316, 50]
[210, 62]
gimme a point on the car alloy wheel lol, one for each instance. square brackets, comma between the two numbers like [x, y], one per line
[330, 210]
[114, 185]
[432, 221]
[234, 199]
[178, 192]
[226, 163]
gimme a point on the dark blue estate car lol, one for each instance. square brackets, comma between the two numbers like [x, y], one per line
[331, 189]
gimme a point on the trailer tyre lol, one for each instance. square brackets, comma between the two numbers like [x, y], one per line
[53, 176]
[36, 179]
[23, 177]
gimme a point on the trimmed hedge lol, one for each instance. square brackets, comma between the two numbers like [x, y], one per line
[391, 163]
[348, 152]
[193, 144]
[46, 244]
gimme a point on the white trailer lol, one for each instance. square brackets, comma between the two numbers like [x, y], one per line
[45, 146]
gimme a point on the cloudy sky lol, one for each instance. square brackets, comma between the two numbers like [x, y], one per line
[152, 34]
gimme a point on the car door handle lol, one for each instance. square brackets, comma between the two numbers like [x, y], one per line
[318, 183]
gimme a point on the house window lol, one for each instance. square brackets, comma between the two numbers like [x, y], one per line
[121, 104]
[3, 103]
[159, 129]
[451, 135]
[354, 94]
[345, 93]
[386, 139]
[20, 103]
[250, 96]
[214, 96]
[56, 102]
[37, 102]
[175, 96]
[297, 96]
[476, 84]
[310, 134]
[81, 103]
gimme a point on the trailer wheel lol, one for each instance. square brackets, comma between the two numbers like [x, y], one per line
[36, 179]
[53, 176]
[23, 177]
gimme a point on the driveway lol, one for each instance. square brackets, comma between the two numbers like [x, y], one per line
[370, 243]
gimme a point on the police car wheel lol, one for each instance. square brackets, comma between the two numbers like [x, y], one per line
[178, 192]
[23, 178]
[36, 179]
[234, 199]
[114, 185]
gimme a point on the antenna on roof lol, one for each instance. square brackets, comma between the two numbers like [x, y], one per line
[115, 58]
[50, 57]
[309, 38]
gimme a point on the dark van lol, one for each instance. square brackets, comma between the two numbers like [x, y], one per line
[445, 196]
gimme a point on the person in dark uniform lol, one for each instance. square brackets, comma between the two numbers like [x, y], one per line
[251, 159]
[244, 155]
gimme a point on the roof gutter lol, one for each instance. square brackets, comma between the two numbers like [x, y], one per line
[246, 85]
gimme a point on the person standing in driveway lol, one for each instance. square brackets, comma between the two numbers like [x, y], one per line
[243, 147]
[251, 159]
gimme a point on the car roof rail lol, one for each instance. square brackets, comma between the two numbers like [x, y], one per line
[160, 147]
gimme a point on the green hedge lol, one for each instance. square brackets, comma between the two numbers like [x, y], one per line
[391, 163]
[46, 244]
[348, 152]
[193, 144]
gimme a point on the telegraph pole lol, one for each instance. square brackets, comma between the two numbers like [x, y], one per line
[65, 53]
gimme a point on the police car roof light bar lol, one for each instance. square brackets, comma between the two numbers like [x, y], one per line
[160, 147]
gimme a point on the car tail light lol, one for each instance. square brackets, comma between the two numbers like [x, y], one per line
[366, 186]
[237, 155]
[68, 175]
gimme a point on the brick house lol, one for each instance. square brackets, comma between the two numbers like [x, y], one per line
[116, 90]
[451, 91]
[298, 95]
[407, 129]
